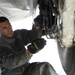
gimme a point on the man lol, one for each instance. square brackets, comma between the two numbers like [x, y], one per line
[14, 57]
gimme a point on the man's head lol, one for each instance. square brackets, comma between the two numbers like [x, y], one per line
[5, 27]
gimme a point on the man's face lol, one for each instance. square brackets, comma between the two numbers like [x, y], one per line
[6, 29]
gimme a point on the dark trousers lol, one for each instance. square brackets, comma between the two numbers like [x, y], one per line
[39, 68]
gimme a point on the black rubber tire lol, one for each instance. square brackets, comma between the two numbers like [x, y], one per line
[67, 57]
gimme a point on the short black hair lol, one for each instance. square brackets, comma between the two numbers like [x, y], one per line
[3, 19]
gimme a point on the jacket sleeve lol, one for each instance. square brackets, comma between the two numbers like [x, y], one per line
[11, 61]
[28, 35]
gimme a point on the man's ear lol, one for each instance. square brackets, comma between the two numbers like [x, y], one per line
[0, 31]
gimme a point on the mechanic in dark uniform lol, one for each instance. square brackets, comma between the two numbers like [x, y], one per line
[14, 57]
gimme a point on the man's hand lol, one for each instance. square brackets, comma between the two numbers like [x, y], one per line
[38, 21]
[37, 45]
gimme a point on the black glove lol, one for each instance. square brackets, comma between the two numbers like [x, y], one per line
[37, 45]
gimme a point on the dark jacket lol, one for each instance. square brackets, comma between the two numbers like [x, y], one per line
[13, 54]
